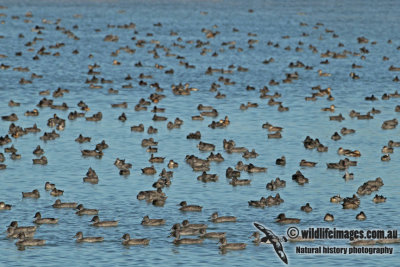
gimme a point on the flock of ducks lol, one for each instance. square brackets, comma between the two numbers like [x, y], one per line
[156, 196]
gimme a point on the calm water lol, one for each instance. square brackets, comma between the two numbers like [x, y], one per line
[115, 195]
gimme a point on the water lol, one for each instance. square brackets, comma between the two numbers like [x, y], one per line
[115, 195]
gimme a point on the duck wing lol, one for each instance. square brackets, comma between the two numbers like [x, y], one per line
[279, 250]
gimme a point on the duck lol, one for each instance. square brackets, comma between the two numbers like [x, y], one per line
[257, 238]
[348, 176]
[217, 219]
[351, 202]
[305, 163]
[73, 115]
[157, 109]
[328, 217]
[10, 149]
[197, 226]
[101, 146]
[379, 199]
[331, 108]
[56, 192]
[370, 186]
[149, 170]
[40, 220]
[83, 211]
[186, 241]
[166, 174]
[93, 179]
[12, 103]
[159, 202]
[252, 169]
[392, 143]
[152, 130]
[4, 206]
[235, 181]
[361, 216]
[275, 135]
[205, 146]
[258, 203]
[152, 222]
[231, 173]
[92, 153]
[230, 246]
[300, 178]
[18, 229]
[34, 194]
[393, 68]
[233, 149]
[172, 164]
[150, 194]
[38, 151]
[12, 233]
[387, 149]
[336, 136]
[250, 154]
[137, 128]
[385, 157]
[80, 238]
[156, 159]
[195, 135]
[274, 185]
[120, 163]
[186, 207]
[197, 118]
[202, 107]
[375, 111]
[41, 161]
[120, 105]
[122, 117]
[159, 118]
[281, 161]
[152, 149]
[337, 117]
[127, 241]
[97, 223]
[348, 152]
[207, 177]
[82, 139]
[306, 207]
[91, 176]
[271, 128]
[178, 228]
[149, 142]
[64, 205]
[389, 124]
[23, 241]
[50, 136]
[323, 74]
[95, 117]
[371, 98]
[283, 220]
[367, 116]
[124, 172]
[211, 113]
[12, 117]
[204, 234]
